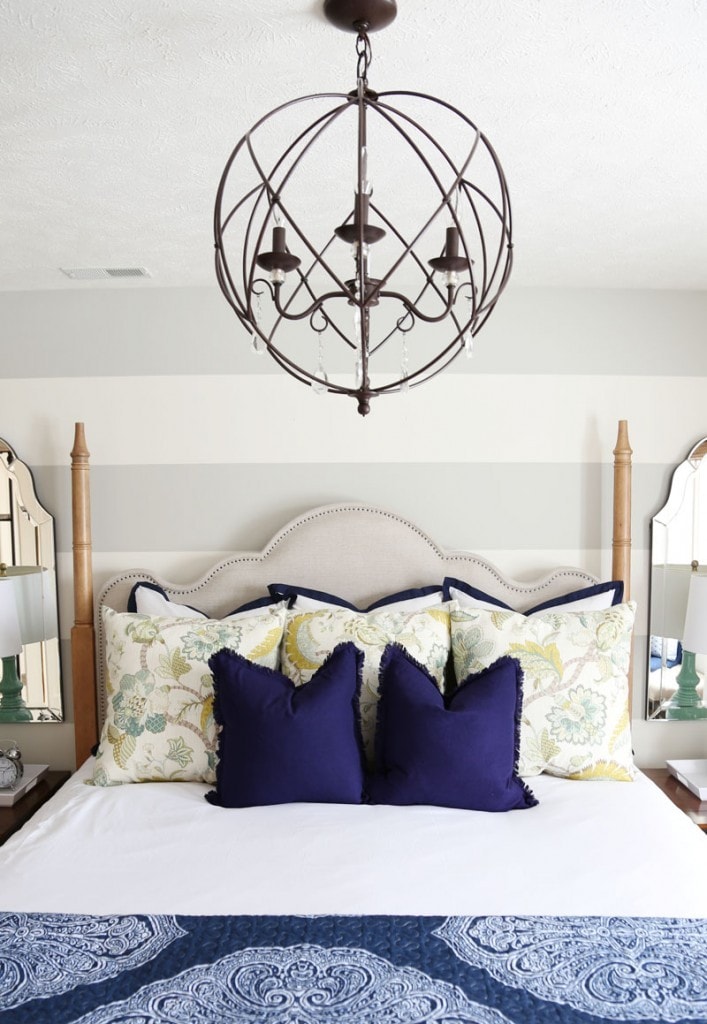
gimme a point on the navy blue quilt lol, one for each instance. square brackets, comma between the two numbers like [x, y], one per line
[160, 969]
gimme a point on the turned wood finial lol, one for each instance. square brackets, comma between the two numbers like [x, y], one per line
[79, 452]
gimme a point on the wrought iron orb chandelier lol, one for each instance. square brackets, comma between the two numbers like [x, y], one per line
[296, 232]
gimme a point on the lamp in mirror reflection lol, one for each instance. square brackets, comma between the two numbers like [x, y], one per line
[28, 615]
[686, 703]
[363, 233]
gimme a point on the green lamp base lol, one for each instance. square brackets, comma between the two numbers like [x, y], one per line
[687, 704]
[12, 707]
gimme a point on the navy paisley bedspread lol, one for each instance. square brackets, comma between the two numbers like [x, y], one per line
[154, 969]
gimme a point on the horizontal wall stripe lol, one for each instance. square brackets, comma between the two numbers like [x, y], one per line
[185, 331]
[508, 418]
[192, 508]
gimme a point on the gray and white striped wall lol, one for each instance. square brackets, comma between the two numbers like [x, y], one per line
[199, 447]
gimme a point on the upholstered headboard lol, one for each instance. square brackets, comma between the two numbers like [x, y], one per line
[354, 551]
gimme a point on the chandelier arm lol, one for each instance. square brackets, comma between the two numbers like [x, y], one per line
[305, 377]
[318, 259]
[382, 109]
[282, 314]
[316, 305]
[398, 328]
[412, 308]
[453, 349]
[287, 364]
[304, 283]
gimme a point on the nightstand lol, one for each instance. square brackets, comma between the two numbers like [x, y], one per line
[13, 818]
[688, 803]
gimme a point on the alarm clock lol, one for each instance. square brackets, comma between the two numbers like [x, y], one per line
[11, 767]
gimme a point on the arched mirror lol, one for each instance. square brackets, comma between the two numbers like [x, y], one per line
[677, 655]
[30, 685]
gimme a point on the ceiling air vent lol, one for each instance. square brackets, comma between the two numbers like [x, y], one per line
[103, 273]
[126, 272]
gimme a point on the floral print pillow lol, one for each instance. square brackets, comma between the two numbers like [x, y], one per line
[310, 637]
[159, 723]
[575, 720]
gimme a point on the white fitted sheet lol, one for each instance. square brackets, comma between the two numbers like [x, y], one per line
[588, 848]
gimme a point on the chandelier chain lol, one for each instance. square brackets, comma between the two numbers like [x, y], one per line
[364, 54]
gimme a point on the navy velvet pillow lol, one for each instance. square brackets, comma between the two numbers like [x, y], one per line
[461, 752]
[289, 592]
[285, 744]
[614, 591]
[259, 602]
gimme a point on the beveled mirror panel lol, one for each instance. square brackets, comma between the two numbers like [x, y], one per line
[675, 686]
[27, 540]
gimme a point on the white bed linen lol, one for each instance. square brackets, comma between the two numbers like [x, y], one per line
[588, 848]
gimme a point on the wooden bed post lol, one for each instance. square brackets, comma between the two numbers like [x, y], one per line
[83, 644]
[621, 544]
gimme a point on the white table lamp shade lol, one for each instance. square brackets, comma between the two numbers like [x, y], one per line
[694, 636]
[10, 637]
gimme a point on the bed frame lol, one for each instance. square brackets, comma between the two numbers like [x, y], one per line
[356, 551]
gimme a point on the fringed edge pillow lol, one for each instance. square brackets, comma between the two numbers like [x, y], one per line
[280, 743]
[460, 751]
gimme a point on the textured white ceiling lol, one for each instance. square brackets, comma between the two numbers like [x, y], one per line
[117, 118]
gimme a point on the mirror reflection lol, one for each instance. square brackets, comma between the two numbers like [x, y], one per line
[30, 684]
[677, 655]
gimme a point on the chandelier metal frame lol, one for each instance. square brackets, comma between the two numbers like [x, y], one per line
[488, 261]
